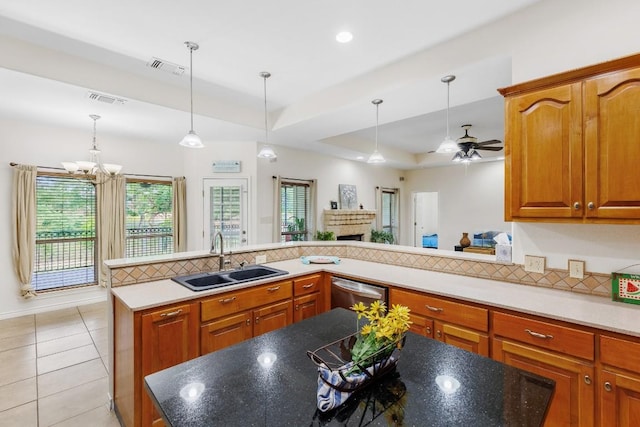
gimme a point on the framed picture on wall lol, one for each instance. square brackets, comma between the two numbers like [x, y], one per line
[334, 205]
[348, 196]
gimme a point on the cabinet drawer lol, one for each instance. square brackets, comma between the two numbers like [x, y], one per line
[546, 335]
[307, 285]
[232, 302]
[620, 353]
[438, 308]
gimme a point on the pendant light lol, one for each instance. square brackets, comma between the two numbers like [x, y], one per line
[266, 152]
[94, 164]
[191, 140]
[448, 145]
[376, 157]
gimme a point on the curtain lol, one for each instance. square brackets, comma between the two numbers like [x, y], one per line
[179, 214]
[277, 212]
[313, 226]
[378, 208]
[23, 215]
[110, 221]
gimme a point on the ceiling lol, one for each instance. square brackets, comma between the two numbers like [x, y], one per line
[319, 95]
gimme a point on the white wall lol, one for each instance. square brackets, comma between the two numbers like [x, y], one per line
[329, 171]
[470, 199]
[35, 144]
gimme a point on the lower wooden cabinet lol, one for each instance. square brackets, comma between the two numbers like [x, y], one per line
[306, 306]
[619, 382]
[272, 317]
[311, 296]
[224, 332]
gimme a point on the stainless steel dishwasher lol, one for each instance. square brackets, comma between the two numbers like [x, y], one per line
[345, 293]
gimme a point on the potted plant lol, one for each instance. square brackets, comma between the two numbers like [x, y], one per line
[381, 237]
[324, 235]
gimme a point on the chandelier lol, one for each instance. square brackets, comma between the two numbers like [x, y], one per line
[94, 164]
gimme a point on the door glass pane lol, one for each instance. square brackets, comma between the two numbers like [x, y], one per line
[225, 211]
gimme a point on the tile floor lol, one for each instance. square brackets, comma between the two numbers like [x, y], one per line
[53, 369]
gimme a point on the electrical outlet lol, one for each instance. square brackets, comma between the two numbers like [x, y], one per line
[576, 269]
[534, 264]
[261, 259]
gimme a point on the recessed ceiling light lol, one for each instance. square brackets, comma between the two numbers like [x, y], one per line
[344, 37]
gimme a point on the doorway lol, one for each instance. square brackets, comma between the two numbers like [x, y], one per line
[425, 219]
[225, 210]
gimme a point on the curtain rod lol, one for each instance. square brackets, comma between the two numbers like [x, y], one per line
[127, 174]
[293, 179]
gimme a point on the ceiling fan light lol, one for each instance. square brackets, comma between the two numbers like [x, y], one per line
[191, 140]
[376, 157]
[447, 146]
[266, 152]
[475, 156]
[457, 157]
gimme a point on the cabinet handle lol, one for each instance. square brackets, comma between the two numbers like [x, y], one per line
[538, 335]
[275, 288]
[171, 313]
[310, 285]
[257, 320]
[608, 386]
[436, 309]
[248, 322]
[297, 307]
[439, 334]
[226, 300]
[428, 330]
[591, 206]
[587, 379]
[577, 206]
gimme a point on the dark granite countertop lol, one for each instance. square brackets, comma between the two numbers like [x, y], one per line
[229, 387]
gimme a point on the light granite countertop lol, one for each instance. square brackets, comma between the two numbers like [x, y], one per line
[586, 310]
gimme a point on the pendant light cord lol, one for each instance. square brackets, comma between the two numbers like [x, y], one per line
[448, 83]
[191, 83]
[266, 133]
[377, 107]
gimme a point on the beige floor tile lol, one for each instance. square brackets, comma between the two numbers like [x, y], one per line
[17, 341]
[17, 326]
[98, 417]
[93, 307]
[95, 320]
[51, 333]
[46, 348]
[17, 364]
[73, 402]
[66, 358]
[58, 322]
[18, 393]
[72, 376]
[101, 341]
[23, 416]
[49, 315]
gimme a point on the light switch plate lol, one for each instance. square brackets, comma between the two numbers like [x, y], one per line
[534, 264]
[261, 259]
[576, 269]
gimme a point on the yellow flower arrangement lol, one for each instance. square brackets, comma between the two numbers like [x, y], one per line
[382, 331]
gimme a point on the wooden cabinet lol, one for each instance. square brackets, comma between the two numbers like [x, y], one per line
[462, 325]
[232, 317]
[619, 382]
[146, 342]
[571, 145]
[309, 297]
[559, 352]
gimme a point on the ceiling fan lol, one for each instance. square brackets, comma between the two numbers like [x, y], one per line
[469, 145]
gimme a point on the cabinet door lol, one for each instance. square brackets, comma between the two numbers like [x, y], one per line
[574, 396]
[612, 145]
[421, 325]
[463, 338]
[225, 332]
[620, 399]
[169, 337]
[543, 154]
[306, 306]
[272, 317]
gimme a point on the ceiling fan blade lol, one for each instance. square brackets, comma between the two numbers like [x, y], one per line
[492, 141]
[489, 148]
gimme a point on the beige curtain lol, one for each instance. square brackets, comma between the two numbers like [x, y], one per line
[110, 223]
[179, 214]
[277, 211]
[378, 208]
[23, 215]
[312, 220]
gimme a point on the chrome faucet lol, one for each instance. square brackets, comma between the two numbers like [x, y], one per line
[213, 249]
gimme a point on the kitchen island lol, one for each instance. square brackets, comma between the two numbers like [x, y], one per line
[235, 386]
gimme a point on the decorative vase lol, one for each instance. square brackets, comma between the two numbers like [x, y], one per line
[465, 242]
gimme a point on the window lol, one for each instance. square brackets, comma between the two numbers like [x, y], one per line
[295, 201]
[149, 223]
[65, 232]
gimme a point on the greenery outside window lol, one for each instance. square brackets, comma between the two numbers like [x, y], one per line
[149, 225]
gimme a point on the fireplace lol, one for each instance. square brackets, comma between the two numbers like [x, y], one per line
[349, 224]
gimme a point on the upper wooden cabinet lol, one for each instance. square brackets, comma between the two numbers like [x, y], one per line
[571, 144]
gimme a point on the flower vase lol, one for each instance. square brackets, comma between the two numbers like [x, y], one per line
[465, 242]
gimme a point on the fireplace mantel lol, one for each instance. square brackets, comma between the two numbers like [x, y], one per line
[344, 222]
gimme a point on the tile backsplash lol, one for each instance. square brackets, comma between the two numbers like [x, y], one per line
[592, 283]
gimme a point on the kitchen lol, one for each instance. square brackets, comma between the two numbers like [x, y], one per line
[605, 248]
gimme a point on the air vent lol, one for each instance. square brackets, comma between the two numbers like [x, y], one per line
[168, 67]
[107, 99]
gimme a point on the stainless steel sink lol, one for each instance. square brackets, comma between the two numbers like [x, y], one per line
[204, 281]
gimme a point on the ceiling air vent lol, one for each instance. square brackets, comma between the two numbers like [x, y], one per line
[168, 67]
[107, 99]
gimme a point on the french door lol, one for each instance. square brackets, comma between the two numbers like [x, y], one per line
[225, 210]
